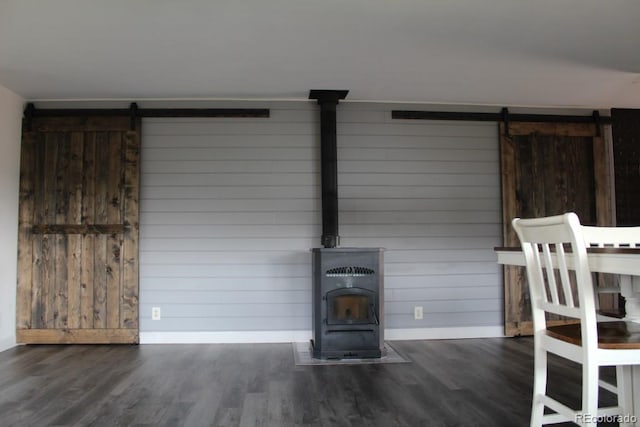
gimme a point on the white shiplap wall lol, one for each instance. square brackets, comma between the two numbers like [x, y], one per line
[230, 208]
[429, 192]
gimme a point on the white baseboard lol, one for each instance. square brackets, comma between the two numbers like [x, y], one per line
[223, 337]
[301, 336]
[7, 343]
[444, 333]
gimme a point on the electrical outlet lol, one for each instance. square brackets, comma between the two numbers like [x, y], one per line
[155, 313]
[417, 312]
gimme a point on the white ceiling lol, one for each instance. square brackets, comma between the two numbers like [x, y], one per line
[578, 53]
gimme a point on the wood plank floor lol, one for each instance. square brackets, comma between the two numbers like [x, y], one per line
[472, 382]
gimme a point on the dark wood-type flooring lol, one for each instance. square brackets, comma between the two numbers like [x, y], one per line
[473, 382]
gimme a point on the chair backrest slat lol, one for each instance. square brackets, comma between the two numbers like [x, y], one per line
[548, 271]
[564, 276]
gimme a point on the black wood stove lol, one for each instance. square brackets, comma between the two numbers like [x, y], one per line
[348, 291]
[348, 301]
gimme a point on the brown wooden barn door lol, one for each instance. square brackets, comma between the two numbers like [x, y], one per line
[625, 127]
[549, 169]
[78, 231]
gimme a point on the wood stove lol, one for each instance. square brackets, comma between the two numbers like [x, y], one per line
[348, 291]
[348, 300]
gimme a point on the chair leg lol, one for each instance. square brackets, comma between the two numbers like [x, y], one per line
[589, 394]
[539, 386]
[625, 388]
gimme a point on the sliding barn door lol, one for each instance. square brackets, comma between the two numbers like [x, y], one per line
[549, 169]
[625, 127]
[78, 231]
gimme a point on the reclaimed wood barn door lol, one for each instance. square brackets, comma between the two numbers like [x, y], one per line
[549, 169]
[625, 129]
[78, 231]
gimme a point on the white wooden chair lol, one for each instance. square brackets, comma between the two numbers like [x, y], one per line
[560, 282]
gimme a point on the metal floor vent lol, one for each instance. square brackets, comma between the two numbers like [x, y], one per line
[350, 271]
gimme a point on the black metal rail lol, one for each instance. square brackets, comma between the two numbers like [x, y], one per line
[498, 117]
[134, 112]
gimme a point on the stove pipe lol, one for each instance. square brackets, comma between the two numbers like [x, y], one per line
[328, 100]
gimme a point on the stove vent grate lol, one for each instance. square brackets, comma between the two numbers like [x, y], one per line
[350, 271]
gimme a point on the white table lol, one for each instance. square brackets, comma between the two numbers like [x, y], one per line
[622, 261]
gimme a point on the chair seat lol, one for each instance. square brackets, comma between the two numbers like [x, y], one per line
[611, 335]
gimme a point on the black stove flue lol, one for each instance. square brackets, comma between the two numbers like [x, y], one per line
[328, 101]
[348, 291]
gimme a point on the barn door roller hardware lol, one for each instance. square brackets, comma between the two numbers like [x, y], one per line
[134, 112]
[28, 116]
[598, 121]
[505, 119]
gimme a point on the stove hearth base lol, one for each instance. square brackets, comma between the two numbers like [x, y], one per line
[342, 354]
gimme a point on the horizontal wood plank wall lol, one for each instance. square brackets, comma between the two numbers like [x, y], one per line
[229, 211]
[231, 207]
[429, 192]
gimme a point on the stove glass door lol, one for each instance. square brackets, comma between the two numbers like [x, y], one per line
[349, 306]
